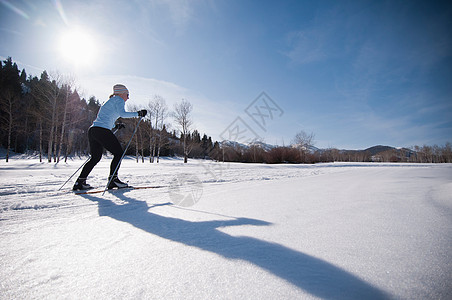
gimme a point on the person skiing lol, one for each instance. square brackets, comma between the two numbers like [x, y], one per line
[100, 136]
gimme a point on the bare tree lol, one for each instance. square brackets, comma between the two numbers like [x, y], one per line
[182, 116]
[138, 136]
[303, 142]
[48, 94]
[158, 113]
[9, 100]
[69, 82]
[150, 130]
[447, 153]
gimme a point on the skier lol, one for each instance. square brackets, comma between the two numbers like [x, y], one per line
[100, 136]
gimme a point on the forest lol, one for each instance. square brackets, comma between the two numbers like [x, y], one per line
[46, 116]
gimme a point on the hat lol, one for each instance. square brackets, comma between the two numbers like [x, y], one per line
[120, 89]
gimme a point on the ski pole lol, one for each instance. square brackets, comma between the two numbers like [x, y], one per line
[81, 166]
[75, 172]
[123, 154]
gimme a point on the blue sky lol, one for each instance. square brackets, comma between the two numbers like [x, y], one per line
[355, 73]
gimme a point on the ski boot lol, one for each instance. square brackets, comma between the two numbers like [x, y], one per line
[116, 183]
[81, 185]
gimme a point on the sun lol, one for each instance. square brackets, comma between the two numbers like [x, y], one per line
[78, 47]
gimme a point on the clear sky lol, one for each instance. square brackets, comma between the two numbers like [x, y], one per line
[354, 73]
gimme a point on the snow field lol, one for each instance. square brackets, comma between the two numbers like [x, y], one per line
[328, 231]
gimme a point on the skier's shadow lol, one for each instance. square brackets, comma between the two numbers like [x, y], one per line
[313, 275]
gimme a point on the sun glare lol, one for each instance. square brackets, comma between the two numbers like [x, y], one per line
[78, 47]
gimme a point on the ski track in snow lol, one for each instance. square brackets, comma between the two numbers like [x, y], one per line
[326, 231]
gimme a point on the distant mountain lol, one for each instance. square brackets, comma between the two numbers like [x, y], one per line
[227, 143]
[314, 149]
[265, 146]
[378, 149]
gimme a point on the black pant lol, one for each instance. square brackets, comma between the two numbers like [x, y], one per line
[100, 138]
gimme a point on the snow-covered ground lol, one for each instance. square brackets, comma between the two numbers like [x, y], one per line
[327, 231]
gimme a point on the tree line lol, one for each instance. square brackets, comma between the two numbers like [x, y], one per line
[47, 116]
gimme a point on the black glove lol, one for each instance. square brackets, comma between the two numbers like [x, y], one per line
[119, 126]
[142, 113]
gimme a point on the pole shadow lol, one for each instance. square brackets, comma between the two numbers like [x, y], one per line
[313, 275]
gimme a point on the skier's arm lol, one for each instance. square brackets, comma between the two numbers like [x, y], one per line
[123, 113]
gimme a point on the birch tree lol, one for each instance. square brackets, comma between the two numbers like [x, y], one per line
[183, 118]
[67, 90]
[8, 99]
[48, 93]
[158, 115]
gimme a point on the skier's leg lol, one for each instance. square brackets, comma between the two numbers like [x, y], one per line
[95, 150]
[96, 154]
[113, 180]
[112, 144]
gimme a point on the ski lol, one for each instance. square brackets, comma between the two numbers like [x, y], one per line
[86, 192]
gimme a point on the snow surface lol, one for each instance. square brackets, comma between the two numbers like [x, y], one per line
[327, 231]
